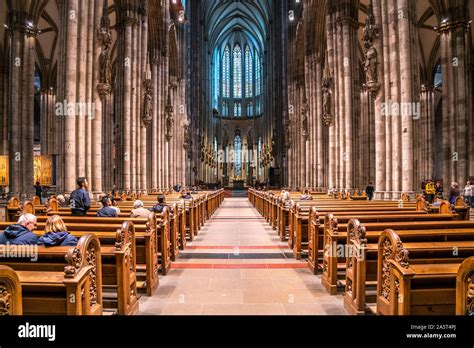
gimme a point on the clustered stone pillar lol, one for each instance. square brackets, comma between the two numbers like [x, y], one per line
[457, 97]
[396, 104]
[22, 31]
[132, 73]
[342, 26]
[425, 134]
[48, 122]
[80, 114]
[4, 88]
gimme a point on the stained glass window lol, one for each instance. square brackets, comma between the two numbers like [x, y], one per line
[248, 73]
[217, 82]
[226, 73]
[258, 75]
[237, 110]
[250, 109]
[237, 72]
[237, 156]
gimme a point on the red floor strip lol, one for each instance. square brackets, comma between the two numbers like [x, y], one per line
[238, 265]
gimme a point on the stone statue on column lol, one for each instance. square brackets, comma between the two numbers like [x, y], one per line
[148, 103]
[274, 148]
[327, 91]
[304, 120]
[104, 35]
[371, 32]
[169, 119]
[188, 142]
[287, 134]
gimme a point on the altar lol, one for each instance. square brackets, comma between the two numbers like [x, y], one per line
[238, 184]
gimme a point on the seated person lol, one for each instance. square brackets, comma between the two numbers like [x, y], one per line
[306, 196]
[194, 190]
[139, 211]
[160, 206]
[62, 201]
[185, 195]
[56, 234]
[107, 210]
[21, 233]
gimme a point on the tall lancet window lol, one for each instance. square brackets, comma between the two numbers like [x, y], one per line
[237, 72]
[226, 73]
[217, 85]
[248, 73]
[237, 156]
[258, 75]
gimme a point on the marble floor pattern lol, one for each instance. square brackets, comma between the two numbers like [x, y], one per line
[238, 266]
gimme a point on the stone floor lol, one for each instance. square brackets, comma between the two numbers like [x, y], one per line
[238, 266]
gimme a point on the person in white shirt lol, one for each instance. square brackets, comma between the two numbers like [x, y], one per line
[468, 194]
[139, 211]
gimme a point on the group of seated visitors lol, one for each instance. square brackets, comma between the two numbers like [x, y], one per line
[185, 194]
[21, 233]
[139, 211]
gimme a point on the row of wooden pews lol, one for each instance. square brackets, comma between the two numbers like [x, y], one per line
[60, 280]
[387, 257]
[129, 255]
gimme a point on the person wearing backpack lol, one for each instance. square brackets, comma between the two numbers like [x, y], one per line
[79, 200]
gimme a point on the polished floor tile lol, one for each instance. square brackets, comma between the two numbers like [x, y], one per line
[238, 266]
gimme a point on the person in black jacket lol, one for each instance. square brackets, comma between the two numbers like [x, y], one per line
[79, 200]
[20, 233]
[38, 190]
[107, 209]
[370, 191]
[160, 206]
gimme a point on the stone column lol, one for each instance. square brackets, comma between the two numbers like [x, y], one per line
[124, 102]
[380, 44]
[407, 87]
[70, 169]
[154, 125]
[457, 108]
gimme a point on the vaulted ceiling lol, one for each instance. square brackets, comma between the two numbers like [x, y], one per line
[224, 18]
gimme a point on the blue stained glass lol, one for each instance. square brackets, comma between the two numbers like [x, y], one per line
[237, 72]
[226, 73]
[248, 73]
[238, 156]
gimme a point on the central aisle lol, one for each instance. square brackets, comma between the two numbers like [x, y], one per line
[237, 265]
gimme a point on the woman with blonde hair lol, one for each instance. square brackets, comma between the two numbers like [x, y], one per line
[56, 234]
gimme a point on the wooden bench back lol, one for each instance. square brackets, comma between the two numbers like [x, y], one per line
[465, 288]
[10, 292]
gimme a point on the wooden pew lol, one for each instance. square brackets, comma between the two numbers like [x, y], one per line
[63, 280]
[408, 287]
[465, 288]
[11, 302]
[118, 251]
[13, 206]
[302, 209]
[299, 223]
[335, 237]
[146, 240]
[316, 226]
[362, 253]
[155, 243]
